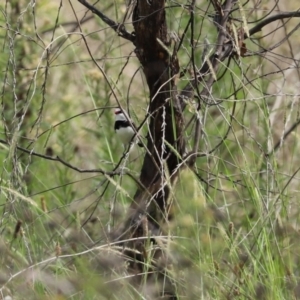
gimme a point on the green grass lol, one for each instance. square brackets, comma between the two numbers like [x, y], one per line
[235, 231]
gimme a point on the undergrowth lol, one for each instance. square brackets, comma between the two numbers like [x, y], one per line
[235, 227]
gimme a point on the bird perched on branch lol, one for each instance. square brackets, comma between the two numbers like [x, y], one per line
[126, 130]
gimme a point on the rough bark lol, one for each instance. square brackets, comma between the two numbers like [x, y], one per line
[160, 69]
[150, 208]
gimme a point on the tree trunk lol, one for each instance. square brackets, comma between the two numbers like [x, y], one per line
[150, 208]
[160, 165]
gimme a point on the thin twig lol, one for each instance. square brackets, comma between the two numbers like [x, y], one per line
[117, 27]
[58, 159]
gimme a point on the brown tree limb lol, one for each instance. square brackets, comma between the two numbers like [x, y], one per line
[224, 49]
[271, 19]
[117, 27]
[165, 140]
[160, 69]
[60, 160]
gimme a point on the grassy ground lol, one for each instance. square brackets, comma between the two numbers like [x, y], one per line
[236, 229]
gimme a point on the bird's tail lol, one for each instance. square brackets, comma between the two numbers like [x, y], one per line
[134, 151]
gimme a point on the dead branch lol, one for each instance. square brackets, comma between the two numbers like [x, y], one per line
[117, 27]
[281, 16]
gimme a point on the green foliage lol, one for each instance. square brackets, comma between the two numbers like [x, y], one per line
[235, 227]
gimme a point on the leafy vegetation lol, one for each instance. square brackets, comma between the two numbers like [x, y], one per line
[234, 229]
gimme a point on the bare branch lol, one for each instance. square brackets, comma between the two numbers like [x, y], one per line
[224, 50]
[117, 27]
[285, 15]
[57, 158]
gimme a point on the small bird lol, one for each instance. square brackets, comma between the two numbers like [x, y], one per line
[126, 129]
